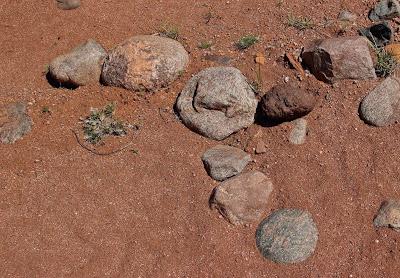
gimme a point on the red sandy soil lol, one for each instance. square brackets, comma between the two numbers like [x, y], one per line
[65, 212]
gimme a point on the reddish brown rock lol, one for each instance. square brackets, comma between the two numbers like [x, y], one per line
[242, 199]
[145, 63]
[340, 58]
[287, 102]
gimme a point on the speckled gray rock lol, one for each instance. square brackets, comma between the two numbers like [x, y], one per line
[217, 102]
[82, 66]
[381, 106]
[222, 162]
[242, 199]
[340, 58]
[287, 236]
[287, 102]
[388, 215]
[14, 122]
[347, 16]
[385, 9]
[145, 63]
[299, 132]
[68, 4]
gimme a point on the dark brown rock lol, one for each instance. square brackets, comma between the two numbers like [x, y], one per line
[14, 122]
[340, 58]
[242, 199]
[287, 102]
[145, 63]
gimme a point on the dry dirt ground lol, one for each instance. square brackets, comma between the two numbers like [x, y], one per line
[65, 212]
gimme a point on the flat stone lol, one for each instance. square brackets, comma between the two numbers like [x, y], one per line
[242, 199]
[222, 162]
[299, 132]
[82, 66]
[388, 215]
[381, 106]
[340, 58]
[217, 102]
[347, 16]
[287, 236]
[145, 63]
[14, 122]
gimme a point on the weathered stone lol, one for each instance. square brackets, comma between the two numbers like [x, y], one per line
[299, 132]
[385, 9]
[222, 162]
[381, 106]
[287, 102]
[82, 66]
[260, 147]
[340, 58]
[68, 4]
[388, 215]
[379, 34]
[145, 63]
[14, 122]
[347, 16]
[287, 236]
[217, 102]
[242, 199]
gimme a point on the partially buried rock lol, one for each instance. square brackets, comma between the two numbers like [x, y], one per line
[388, 215]
[287, 236]
[347, 16]
[217, 102]
[68, 4]
[381, 106]
[82, 66]
[14, 122]
[222, 162]
[385, 9]
[242, 199]
[287, 102]
[145, 63]
[299, 132]
[379, 34]
[340, 58]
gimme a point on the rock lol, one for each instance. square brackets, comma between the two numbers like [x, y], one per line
[219, 59]
[68, 4]
[145, 63]
[299, 132]
[242, 199]
[385, 9]
[14, 122]
[222, 162]
[287, 102]
[287, 236]
[394, 50]
[347, 16]
[340, 58]
[388, 215]
[217, 102]
[260, 147]
[381, 106]
[379, 34]
[81, 66]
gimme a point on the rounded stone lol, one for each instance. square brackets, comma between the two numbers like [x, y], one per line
[287, 236]
[144, 63]
[217, 102]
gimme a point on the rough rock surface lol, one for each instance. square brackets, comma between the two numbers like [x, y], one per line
[379, 34]
[287, 236]
[145, 63]
[14, 122]
[347, 16]
[385, 9]
[287, 102]
[222, 162]
[381, 106]
[242, 199]
[82, 66]
[299, 132]
[340, 58]
[388, 215]
[68, 4]
[217, 102]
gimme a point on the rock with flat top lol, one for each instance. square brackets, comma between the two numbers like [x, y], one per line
[14, 122]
